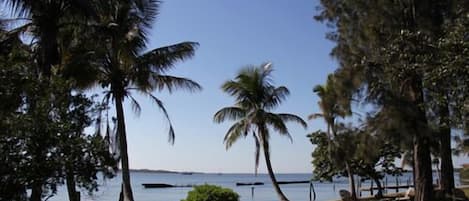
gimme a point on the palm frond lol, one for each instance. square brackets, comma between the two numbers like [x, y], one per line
[172, 83]
[159, 103]
[277, 123]
[230, 113]
[19, 7]
[292, 118]
[315, 116]
[233, 88]
[135, 105]
[162, 59]
[236, 131]
[149, 11]
[276, 97]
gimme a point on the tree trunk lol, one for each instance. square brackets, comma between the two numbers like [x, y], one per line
[73, 195]
[422, 157]
[447, 171]
[380, 188]
[126, 187]
[423, 170]
[280, 194]
[36, 191]
[49, 53]
[351, 181]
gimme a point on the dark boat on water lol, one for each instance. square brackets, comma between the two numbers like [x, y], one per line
[249, 184]
[160, 185]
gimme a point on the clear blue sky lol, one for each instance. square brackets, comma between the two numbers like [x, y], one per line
[232, 34]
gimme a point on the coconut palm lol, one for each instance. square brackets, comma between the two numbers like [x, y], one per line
[332, 106]
[44, 20]
[118, 61]
[256, 97]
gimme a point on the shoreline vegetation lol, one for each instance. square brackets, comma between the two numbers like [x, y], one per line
[456, 170]
[168, 171]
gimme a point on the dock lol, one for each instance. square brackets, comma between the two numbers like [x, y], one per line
[161, 185]
[249, 184]
[294, 182]
[387, 187]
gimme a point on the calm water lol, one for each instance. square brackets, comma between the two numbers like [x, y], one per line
[109, 191]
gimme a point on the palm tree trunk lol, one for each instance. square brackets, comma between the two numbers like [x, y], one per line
[49, 54]
[126, 187]
[351, 181]
[447, 171]
[265, 148]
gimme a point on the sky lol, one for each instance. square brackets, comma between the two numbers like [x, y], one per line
[232, 34]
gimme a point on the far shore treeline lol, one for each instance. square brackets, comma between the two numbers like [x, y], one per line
[406, 61]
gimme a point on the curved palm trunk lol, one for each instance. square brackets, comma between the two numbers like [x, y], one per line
[265, 148]
[351, 181]
[126, 187]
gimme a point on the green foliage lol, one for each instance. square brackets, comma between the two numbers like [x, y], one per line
[369, 156]
[409, 59]
[255, 98]
[324, 165]
[42, 129]
[211, 193]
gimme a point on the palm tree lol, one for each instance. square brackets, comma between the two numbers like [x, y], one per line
[45, 19]
[332, 106]
[117, 60]
[255, 97]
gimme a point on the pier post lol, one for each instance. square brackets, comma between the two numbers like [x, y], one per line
[386, 184]
[397, 184]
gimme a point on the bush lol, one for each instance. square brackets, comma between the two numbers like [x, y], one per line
[211, 193]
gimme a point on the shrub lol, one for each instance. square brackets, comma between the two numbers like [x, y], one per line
[211, 193]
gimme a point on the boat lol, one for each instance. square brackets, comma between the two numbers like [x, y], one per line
[249, 184]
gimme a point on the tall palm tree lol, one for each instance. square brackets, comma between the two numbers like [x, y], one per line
[118, 61]
[44, 20]
[332, 106]
[256, 97]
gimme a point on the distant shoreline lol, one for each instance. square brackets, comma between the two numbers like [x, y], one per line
[164, 171]
[191, 172]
